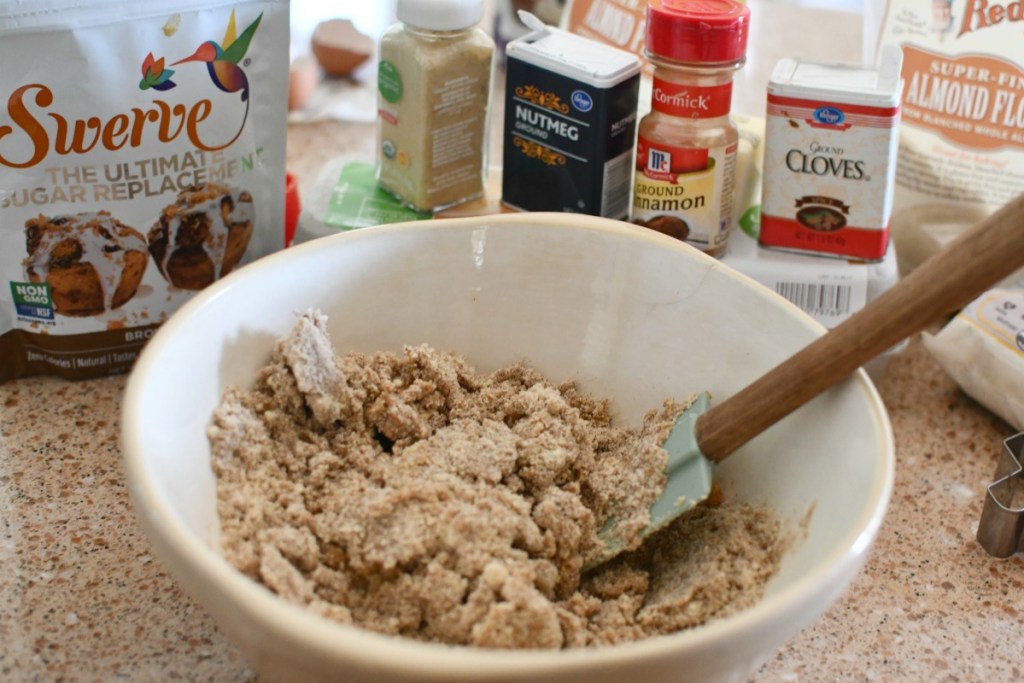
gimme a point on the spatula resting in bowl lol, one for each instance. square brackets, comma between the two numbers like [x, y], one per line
[704, 435]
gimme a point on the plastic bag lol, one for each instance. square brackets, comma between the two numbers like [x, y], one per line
[982, 349]
[142, 157]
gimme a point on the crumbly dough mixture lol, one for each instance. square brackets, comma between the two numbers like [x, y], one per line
[411, 496]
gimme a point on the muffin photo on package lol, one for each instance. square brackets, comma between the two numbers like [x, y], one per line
[92, 262]
[203, 235]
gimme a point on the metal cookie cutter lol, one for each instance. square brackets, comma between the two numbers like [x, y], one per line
[1001, 530]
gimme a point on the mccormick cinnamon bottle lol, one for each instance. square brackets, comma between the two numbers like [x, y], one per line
[686, 145]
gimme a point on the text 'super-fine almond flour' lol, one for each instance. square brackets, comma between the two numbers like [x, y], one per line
[141, 158]
[961, 150]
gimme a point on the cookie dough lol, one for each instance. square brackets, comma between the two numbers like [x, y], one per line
[408, 494]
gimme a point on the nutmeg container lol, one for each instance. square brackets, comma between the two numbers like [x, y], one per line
[570, 120]
[831, 138]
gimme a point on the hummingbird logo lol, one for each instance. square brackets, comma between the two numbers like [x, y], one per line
[154, 76]
[222, 62]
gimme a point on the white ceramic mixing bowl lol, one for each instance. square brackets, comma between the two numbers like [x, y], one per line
[627, 312]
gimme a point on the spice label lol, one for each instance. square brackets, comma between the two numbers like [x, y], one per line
[568, 144]
[389, 81]
[828, 174]
[432, 114]
[684, 192]
[691, 102]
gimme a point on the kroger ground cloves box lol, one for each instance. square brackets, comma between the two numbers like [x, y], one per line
[831, 139]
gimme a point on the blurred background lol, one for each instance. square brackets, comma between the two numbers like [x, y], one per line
[350, 95]
[372, 18]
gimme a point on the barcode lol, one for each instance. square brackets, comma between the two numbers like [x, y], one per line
[824, 300]
[615, 197]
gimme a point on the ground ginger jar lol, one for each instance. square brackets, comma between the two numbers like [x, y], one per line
[433, 92]
[687, 144]
[434, 81]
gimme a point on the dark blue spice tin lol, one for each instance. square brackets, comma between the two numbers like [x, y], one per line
[570, 124]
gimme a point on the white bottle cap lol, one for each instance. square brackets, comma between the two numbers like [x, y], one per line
[440, 15]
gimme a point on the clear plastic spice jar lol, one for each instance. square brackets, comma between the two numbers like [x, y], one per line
[434, 81]
[686, 145]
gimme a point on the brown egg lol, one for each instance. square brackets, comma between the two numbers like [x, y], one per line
[302, 80]
[340, 47]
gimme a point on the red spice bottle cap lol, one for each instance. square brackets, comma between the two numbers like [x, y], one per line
[698, 30]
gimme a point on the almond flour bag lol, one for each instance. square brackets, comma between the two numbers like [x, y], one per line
[142, 155]
[961, 151]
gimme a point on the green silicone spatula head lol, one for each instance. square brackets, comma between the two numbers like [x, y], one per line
[689, 470]
[704, 435]
[688, 482]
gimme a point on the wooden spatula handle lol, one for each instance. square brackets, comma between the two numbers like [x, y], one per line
[947, 281]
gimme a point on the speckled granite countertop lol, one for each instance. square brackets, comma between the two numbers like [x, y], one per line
[82, 598]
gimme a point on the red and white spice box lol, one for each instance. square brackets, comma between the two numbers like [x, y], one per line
[831, 137]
